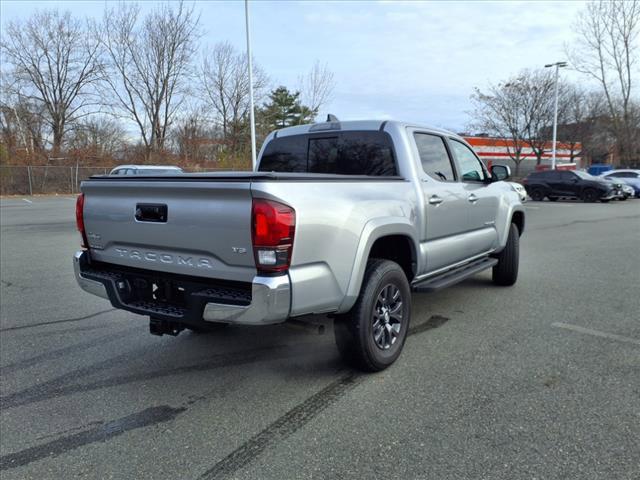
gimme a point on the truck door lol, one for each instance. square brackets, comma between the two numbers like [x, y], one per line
[561, 183]
[445, 206]
[481, 197]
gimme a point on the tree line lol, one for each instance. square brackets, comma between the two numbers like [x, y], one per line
[594, 123]
[71, 85]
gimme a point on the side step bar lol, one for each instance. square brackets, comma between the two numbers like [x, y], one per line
[451, 277]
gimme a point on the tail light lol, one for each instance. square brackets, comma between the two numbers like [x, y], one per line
[273, 229]
[80, 220]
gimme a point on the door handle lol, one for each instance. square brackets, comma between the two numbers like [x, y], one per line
[435, 200]
[472, 198]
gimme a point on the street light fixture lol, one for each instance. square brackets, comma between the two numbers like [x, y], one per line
[558, 66]
[252, 119]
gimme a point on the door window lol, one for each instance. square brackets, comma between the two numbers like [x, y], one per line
[471, 169]
[434, 156]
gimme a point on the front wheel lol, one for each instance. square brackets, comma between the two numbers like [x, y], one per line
[537, 195]
[505, 272]
[372, 334]
[590, 195]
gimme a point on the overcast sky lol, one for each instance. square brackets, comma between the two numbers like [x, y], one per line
[410, 61]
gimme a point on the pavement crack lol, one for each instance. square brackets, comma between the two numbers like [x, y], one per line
[284, 426]
[299, 416]
[576, 222]
[58, 386]
[61, 352]
[434, 321]
[53, 322]
[145, 418]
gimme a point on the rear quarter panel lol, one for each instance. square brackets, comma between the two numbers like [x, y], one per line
[331, 226]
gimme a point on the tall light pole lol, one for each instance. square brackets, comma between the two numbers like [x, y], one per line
[251, 113]
[558, 66]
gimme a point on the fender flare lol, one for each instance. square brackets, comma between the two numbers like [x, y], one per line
[373, 230]
[503, 226]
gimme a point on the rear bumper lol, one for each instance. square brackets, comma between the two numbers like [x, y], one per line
[266, 301]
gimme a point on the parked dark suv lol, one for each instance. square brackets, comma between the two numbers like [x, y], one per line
[554, 184]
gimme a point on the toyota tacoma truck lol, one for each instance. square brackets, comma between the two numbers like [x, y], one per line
[344, 219]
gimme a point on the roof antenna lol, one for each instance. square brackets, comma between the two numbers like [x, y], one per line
[332, 118]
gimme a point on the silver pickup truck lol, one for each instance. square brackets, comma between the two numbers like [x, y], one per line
[340, 218]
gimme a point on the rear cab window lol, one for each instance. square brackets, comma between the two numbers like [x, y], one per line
[342, 152]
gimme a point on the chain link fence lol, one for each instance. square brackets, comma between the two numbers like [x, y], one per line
[51, 179]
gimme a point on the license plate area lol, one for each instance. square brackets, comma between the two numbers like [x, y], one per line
[167, 295]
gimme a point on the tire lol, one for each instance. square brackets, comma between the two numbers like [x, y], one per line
[553, 199]
[537, 195]
[505, 272]
[590, 195]
[366, 338]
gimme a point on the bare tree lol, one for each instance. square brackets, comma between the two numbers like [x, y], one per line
[316, 87]
[224, 78]
[100, 134]
[149, 64]
[538, 97]
[195, 137]
[53, 62]
[501, 112]
[606, 49]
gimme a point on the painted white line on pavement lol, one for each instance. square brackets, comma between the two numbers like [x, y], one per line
[28, 201]
[596, 333]
[528, 207]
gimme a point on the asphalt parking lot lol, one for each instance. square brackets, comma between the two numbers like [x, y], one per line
[540, 380]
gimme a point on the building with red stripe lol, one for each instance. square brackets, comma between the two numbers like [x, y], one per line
[501, 150]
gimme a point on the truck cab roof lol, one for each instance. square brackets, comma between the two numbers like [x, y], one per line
[357, 125]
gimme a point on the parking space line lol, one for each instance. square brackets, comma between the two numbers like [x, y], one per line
[596, 333]
[25, 200]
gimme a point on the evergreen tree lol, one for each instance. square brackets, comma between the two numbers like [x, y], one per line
[283, 109]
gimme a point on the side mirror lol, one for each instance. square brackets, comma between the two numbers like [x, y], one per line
[500, 172]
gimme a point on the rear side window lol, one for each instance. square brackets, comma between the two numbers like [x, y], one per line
[623, 175]
[286, 154]
[344, 153]
[545, 175]
[434, 156]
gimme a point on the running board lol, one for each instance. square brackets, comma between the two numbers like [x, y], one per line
[454, 276]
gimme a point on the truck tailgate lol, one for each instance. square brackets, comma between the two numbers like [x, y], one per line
[197, 228]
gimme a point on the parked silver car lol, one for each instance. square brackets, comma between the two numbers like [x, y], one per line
[145, 170]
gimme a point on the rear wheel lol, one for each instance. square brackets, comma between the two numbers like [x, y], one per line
[537, 195]
[505, 272]
[372, 334]
[590, 195]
